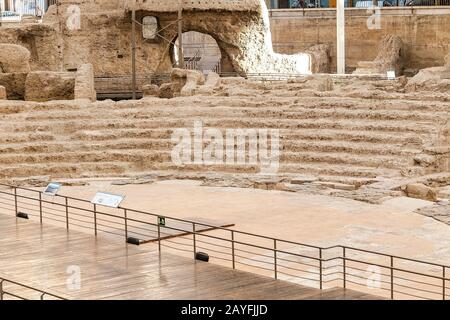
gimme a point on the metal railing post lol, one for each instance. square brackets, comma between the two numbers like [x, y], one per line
[275, 258]
[40, 207]
[193, 236]
[159, 238]
[443, 283]
[392, 278]
[95, 219]
[15, 201]
[232, 250]
[344, 265]
[320, 274]
[125, 216]
[67, 213]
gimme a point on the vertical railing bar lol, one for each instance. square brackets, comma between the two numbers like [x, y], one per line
[392, 278]
[67, 213]
[275, 256]
[95, 219]
[443, 283]
[40, 207]
[344, 261]
[233, 258]
[194, 239]
[320, 273]
[15, 201]
[159, 238]
[125, 215]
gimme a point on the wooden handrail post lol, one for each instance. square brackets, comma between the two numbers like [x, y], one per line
[1, 289]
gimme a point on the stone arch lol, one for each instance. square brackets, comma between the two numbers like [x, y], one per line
[240, 28]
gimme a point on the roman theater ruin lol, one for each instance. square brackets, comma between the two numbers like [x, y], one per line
[227, 123]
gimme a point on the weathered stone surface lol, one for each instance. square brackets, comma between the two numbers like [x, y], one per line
[14, 84]
[166, 91]
[3, 93]
[45, 86]
[320, 58]
[431, 79]
[14, 58]
[421, 191]
[84, 83]
[213, 80]
[389, 58]
[193, 80]
[150, 90]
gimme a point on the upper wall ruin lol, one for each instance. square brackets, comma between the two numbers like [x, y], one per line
[99, 32]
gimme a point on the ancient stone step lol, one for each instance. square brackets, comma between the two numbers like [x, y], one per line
[72, 126]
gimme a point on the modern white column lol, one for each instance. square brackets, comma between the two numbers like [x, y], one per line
[340, 32]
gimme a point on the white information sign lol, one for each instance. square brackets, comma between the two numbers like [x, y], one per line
[52, 189]
[107, 199]
[391, 75]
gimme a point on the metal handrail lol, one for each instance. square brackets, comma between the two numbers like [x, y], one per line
[277, 252]
[42, 293]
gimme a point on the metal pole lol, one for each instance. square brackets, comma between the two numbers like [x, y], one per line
[67, 213]
[345, 268]
[275, 258]
[159, 238]
[443, 283]
[195, 243]
[232, 250]
[320, 262]
[15, 200]
[40, 207]
[1, 289]
[180, 38]
[133, 51]
[95, 219]
[126, 224]
[392, 278]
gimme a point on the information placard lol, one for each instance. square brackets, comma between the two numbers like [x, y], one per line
[108, 199]
[52, 189]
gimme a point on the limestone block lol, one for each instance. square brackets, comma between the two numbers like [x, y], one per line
[84, 83]
[2, 93]
[421, 191]
[193, 80]
[14, 84]
[150, 90]
[46, 86]
[320, 58]
[14, 58]
[166, 91]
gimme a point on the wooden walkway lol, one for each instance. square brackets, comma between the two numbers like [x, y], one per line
[41, 256]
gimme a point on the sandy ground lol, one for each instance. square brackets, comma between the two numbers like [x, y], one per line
[313, 219]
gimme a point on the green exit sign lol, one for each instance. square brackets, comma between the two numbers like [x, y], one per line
[161, 221]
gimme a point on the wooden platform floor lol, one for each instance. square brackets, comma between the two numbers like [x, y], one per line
[110, 269]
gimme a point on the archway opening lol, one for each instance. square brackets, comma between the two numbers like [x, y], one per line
[201, 52]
